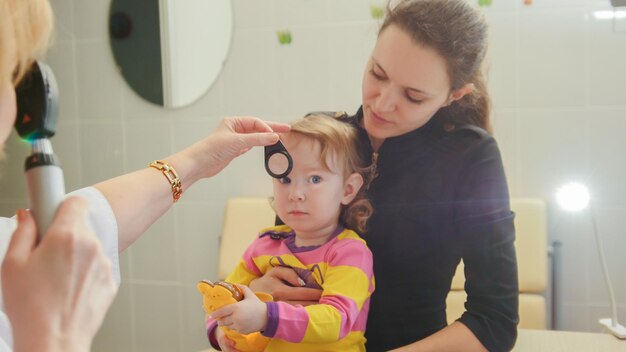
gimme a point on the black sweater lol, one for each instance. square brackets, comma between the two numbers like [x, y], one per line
[440, 197]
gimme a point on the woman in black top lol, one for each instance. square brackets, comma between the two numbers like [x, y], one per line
[438, 188]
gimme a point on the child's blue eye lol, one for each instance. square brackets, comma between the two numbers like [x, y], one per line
[316, 179]
[284, 180]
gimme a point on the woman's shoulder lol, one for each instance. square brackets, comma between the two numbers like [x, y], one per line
[469, 133]
[471, 139]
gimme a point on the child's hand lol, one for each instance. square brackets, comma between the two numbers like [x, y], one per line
[226, 344]
[247, 316]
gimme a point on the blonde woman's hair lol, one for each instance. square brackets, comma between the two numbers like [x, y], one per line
[339, 142]
[25, 31]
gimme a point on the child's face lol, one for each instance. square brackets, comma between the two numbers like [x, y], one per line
[309, 199]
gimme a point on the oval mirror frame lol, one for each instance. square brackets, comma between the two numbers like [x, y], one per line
[170, 52]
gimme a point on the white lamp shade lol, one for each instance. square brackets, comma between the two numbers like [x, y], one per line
[573, 196]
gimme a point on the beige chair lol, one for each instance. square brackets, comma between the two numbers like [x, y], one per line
[244, 217]
[531, 245]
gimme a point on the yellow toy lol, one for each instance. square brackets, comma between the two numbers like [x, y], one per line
[217, 295]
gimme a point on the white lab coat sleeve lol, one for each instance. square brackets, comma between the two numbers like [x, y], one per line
[102, 221]
[104, 224]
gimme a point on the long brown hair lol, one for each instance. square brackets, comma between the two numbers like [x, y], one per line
[339, 141]
[458, 32]
[25, 30]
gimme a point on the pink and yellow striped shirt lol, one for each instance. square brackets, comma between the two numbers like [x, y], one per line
[342, 268]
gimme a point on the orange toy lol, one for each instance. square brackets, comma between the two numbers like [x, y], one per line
[222, 293]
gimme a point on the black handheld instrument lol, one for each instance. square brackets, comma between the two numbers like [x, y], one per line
[37, 112]
[278, 162]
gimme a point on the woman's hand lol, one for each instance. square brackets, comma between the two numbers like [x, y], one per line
[226, 344]
[274, 283]
[233, 137]
[56, 293]
[246, 316]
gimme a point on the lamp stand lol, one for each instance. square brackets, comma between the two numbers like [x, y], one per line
[612, 324]
[616, 329]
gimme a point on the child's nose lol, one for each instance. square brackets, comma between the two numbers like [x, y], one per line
[296, 193]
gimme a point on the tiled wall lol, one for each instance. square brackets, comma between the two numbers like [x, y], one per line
[557, 74]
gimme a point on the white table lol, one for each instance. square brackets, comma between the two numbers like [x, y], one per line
[567, 341]
[563, 341]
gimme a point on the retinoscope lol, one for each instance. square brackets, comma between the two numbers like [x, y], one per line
[37, 112]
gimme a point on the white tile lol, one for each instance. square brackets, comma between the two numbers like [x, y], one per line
[99, 82]
[154, 255]
[597, 312]
[502, 64]
[116, 331]
[562, 4]
[300, 12]
[61, 59]
[250, 74]
[554, 150]
[349, 50]
[8, 208]
[186, 133]
[125, 266]
[501, 6]
[302, 71]
[574, 318]
[246, 176]
[193, 325]
[91, 19]
[505, 125]
[552, 58]
[573, 256]
[12, 182]
[353, 10]
[101, 151]
[63, 19]
[199, 227]
[606, 63]
[253, 13]
[607, 144]
[147, 141]
[157, 317]
[66, 144]
[610, 230]
[619, 26]
[209, 105]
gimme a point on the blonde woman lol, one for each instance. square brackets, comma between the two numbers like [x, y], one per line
[56, 293]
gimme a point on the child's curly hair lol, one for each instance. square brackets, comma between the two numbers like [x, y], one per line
[339, 142]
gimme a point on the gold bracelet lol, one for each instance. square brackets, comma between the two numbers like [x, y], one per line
[171, 175]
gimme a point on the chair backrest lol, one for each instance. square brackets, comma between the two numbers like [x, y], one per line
[531, 246]
[245, 217]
